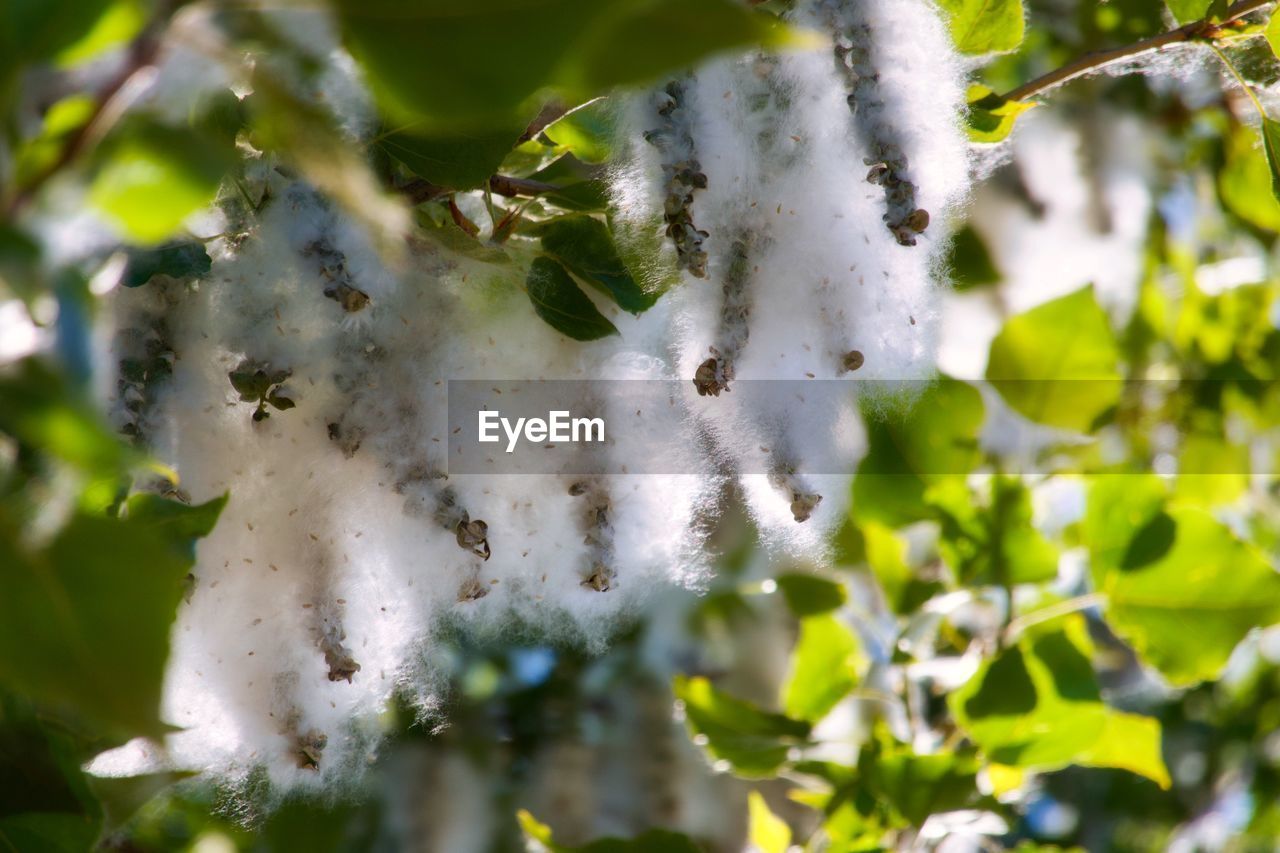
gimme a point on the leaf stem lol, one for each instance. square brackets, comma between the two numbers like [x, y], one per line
[1096, 60]
[1063, 608]
[1235, 72]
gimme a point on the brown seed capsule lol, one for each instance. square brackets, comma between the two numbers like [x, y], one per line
[918, 220]
[601, 579]
[308, 748]
[803, 505]
[473, 536]
[852, 360]
[472, 590]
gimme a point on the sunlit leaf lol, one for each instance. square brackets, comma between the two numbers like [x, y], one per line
[754, 742]
[991, 118]
[824, 668]
[1057, 364]
[768, 832]
[152, 177]
[985, 26]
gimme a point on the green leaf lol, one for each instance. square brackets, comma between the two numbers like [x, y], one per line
[985, 26]
[824, 668]
[1246, 181]
[460, 161]
[808, 595]
[1186, 592]
[84, 622]
[1037, 705]
[1271, 145]
[970, 262]
[753, 741]
[152, 177]
[1186, 11]
[121, 21]
[768, 832]
[991, 545]
[1057, 363]
[913, 445]
[45, 799]
[421, 55]
[35, 30]
[917, 786]
[559, 301]
[1273, 33]
[180, 523]
[186, 259]
[584, 245]
[991, 117]
[587, 131]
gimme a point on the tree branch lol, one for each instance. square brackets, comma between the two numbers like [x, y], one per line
[141, 59]
[419, 191]
[1096, 60]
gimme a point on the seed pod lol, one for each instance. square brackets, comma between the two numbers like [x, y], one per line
[852, 360]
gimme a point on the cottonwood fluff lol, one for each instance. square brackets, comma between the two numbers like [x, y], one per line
[819, 185]
[345, 547]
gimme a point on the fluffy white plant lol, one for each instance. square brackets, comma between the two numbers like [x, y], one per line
[813, 194]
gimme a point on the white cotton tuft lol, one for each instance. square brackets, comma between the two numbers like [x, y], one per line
[796, 206]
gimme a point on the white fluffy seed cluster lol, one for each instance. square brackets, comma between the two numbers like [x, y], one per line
[345, 547]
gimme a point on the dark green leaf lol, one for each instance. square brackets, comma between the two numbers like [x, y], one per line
[808, 595]
[84, 622]
[459, 162]
[585, 246]
[557, 299]
[177, 260]
[420, 55]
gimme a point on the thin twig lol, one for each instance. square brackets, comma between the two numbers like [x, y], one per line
[105, 112]
[419, 191]
[1096, 60]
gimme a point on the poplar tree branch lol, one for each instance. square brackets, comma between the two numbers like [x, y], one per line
[1096, 60]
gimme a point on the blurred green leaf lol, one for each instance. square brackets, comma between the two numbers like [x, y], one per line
[1245, 182]
[824, 668]
[151, 177]
[1037, 705]
[985, 26]
[420, 55]
[122, 20]
[1057, 364]
[970, 262]
[1186, 592]
[587, 131]
[557, 299]
[913, 444]
[994, 544]
[84, 622]
[768, 832]
[35, 30]
[1273, 33]
[808, 595]
[753, 741]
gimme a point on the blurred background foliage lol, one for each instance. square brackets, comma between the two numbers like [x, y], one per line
[946, 683]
